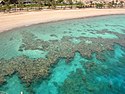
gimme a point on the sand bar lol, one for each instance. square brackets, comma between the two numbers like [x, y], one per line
[18, 19]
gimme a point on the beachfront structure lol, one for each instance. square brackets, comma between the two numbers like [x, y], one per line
[113, 3]
[102, 1]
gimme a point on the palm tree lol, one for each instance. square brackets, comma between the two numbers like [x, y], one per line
[39, 3]
[80, 4]
[99, 5]
[20, 4]
[53, 4]
[109, 5]
[70, 2]
[50, 3]
[91, 4]
[60, 2]
[7, 6]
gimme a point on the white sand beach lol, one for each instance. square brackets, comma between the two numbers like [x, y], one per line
[18, 19]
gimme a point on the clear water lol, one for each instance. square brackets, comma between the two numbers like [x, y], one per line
[79, 76]
[75, 78]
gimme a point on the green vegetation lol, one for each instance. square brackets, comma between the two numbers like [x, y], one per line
[19, 5]
[80, 5]
[99, 5]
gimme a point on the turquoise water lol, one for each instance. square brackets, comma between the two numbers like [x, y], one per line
[90, 27]
[87, 76]
[79, 75]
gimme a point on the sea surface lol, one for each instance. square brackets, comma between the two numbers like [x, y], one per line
[80, 75]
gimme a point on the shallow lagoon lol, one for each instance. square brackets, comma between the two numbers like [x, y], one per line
[80, 75]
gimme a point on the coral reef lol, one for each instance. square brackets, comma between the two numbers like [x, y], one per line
[103, 77]
[30, 69]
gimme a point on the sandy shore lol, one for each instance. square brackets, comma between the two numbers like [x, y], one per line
[18, 19]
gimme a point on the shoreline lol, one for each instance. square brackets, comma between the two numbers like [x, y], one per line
[9, 21]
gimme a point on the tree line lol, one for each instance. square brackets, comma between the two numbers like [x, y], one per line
[19, 5]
